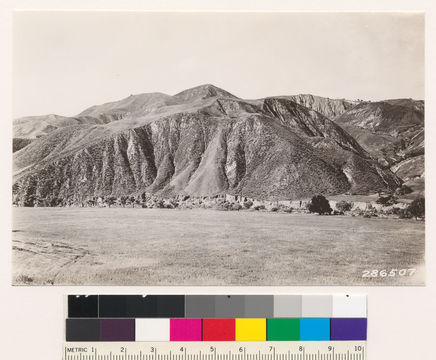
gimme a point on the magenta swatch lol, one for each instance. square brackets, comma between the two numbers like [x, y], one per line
[185, 329]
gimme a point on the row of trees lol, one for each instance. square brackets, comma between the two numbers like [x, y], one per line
[320, 205]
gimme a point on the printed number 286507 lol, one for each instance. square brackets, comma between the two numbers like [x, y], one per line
[387, 273]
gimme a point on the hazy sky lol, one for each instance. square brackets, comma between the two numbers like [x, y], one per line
[65, 62]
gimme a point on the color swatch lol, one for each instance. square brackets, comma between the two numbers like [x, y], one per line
[216, 318]
[216, 306]
[283, 329]
[83, 330]
[313, 306]
[185, 330]
[219, 329]
[117, 330]
[314, 329]
[343, 329]
[250, 330]
[288, 306]
[138, 306]
[152, 329]
[83, 306]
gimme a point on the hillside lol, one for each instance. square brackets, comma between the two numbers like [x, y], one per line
[330, 108]
[393, 132]
[202, 141]
[32, 127]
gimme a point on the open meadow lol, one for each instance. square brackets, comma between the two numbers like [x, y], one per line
[128, 246]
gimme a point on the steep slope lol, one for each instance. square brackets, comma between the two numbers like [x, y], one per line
[410, 169]
[19, 143]
[310, 123]
[392, 131]
[203, 141]
[390, 117]
[330, 108]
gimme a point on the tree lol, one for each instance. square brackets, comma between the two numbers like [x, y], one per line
[319, 204]
[110, 200]
[386, 200]
[123, 200]
[248, 204]
[344, 205]
[417, 208]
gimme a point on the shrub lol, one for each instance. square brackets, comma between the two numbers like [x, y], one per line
[404, 189]
[248, 204]
[404, 214]
[319, 204]
[174, 203]
[417, 208]
[386, 200]
[223, 205]
[159, 204]
[23, 279]
[110, 200]
[226, 205]
[274, 209]
[343, 206]
[259, 207]
[236, 206]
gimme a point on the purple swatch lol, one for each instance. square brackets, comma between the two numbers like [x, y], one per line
[185, 329]
[117, 330]
[348, 328]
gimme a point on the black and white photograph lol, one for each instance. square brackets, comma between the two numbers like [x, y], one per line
[218, 148]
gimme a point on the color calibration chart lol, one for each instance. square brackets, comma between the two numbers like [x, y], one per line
[216, 327]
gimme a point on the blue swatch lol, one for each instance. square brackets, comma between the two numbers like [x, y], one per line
[314, 329]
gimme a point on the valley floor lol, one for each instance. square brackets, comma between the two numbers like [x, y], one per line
[128, 246]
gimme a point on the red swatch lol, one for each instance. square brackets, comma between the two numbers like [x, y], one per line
[218, 329]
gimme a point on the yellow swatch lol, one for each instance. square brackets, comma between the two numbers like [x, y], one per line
[250, 330]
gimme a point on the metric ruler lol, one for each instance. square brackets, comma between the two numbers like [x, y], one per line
[210, 350]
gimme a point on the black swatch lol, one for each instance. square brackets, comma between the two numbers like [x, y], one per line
[80, 306]
[138, 306]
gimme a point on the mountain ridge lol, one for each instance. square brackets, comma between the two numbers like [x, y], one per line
[202, 141]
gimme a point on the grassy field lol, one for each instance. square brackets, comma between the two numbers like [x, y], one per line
[102, 246]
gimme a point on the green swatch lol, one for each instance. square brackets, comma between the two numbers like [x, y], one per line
[283, 329]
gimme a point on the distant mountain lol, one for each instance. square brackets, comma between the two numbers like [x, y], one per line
[32, 127]
[392, 131]
[202, 141]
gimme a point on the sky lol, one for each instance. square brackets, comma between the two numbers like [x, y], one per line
[64, 62]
